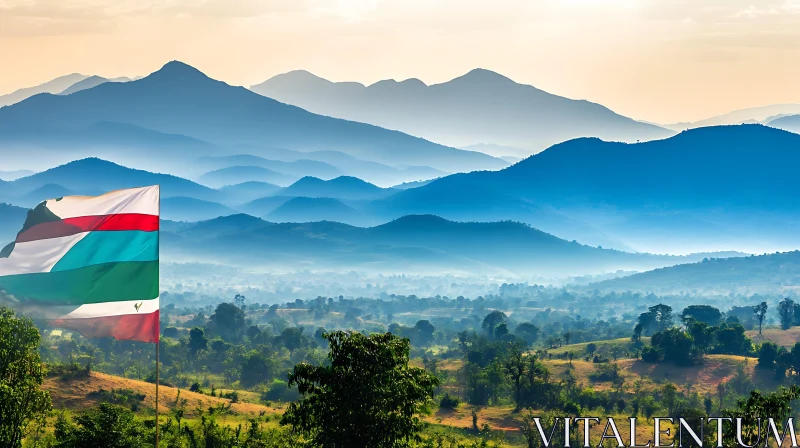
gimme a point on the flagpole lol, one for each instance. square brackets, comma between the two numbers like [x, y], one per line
[158, 324]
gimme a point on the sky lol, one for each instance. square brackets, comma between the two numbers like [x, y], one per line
[663, 61]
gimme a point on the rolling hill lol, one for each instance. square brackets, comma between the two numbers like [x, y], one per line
[718, 188]
[343, 187]
[769, 273]
[302, 209]
[247, 191]
[190, 209]
[179, 99]
[479, 107]
[297, 167]
[237, 174]
[95, 176]
[410, 244]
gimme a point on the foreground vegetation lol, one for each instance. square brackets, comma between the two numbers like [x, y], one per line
[458, 371]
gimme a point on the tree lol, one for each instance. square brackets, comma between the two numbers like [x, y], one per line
[515, 369]
[528, 331]
[492, 320]
[637, 333]
[197, 340]
[701, 313]
[767, 355]
[425, 330]
[662, 314]
[760, 311]
[239, 299]
[228, 321]
[646, 323]
[21, 377]
[107, 426]
[786, 311]
[256, 368]
[367, 397]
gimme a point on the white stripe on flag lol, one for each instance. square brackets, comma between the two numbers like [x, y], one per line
[113, 309]
[142, 201]
[33, 257]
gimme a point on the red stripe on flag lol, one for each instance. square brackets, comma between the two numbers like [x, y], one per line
[129, 327]
[71, 226]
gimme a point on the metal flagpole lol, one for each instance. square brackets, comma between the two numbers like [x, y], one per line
[157, 380]
[158, 324]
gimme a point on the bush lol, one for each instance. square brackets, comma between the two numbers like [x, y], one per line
[652, 354]
[280, 391]
[605, 372]
[449, 402]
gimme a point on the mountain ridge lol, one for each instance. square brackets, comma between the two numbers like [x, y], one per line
[479, 106]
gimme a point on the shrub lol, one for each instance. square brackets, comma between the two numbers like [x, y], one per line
[449, 402]
[652, 354]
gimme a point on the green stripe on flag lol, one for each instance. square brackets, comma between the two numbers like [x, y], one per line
[109, 282]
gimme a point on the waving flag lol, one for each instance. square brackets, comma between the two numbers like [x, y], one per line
[88, 264]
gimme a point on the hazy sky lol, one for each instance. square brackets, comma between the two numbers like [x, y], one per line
[658, 60]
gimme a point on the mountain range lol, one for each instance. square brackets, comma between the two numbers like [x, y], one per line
[179, 100]
[789, 123]
[411, 244]
[54, 86]
[751, 115]
[712, 188]
[480, 107]
[706, 189]
[768, 273]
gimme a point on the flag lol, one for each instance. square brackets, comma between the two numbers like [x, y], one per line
[88, 264]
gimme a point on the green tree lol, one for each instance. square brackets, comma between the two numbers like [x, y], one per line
[662, 314]
[493, 320]
[367, 397]
[197, 341]
[21, 377]
[701, 313]
[228, 321]
[767, 355]
[108, 425]
[760, 311]
[786, 312]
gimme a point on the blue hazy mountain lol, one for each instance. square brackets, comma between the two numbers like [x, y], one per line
[11, 220]
[748, 275]
[302, 209]
[247, 191]
[238, 174]
[14, 175]
[750, 115]
[789, 123]
[190, 209]
[722, 187]
[57, 85]
[120, 142]
[90, 82]
[179, 99]
[413, 243]
[479, 107]
[343, 187]
[95, 176]
[47, 191]
[264, 206]
[297, 168]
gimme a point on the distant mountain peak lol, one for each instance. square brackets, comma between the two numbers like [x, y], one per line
[482, 75]
[179, 71]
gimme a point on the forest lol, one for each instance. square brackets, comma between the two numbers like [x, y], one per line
[411, 371]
